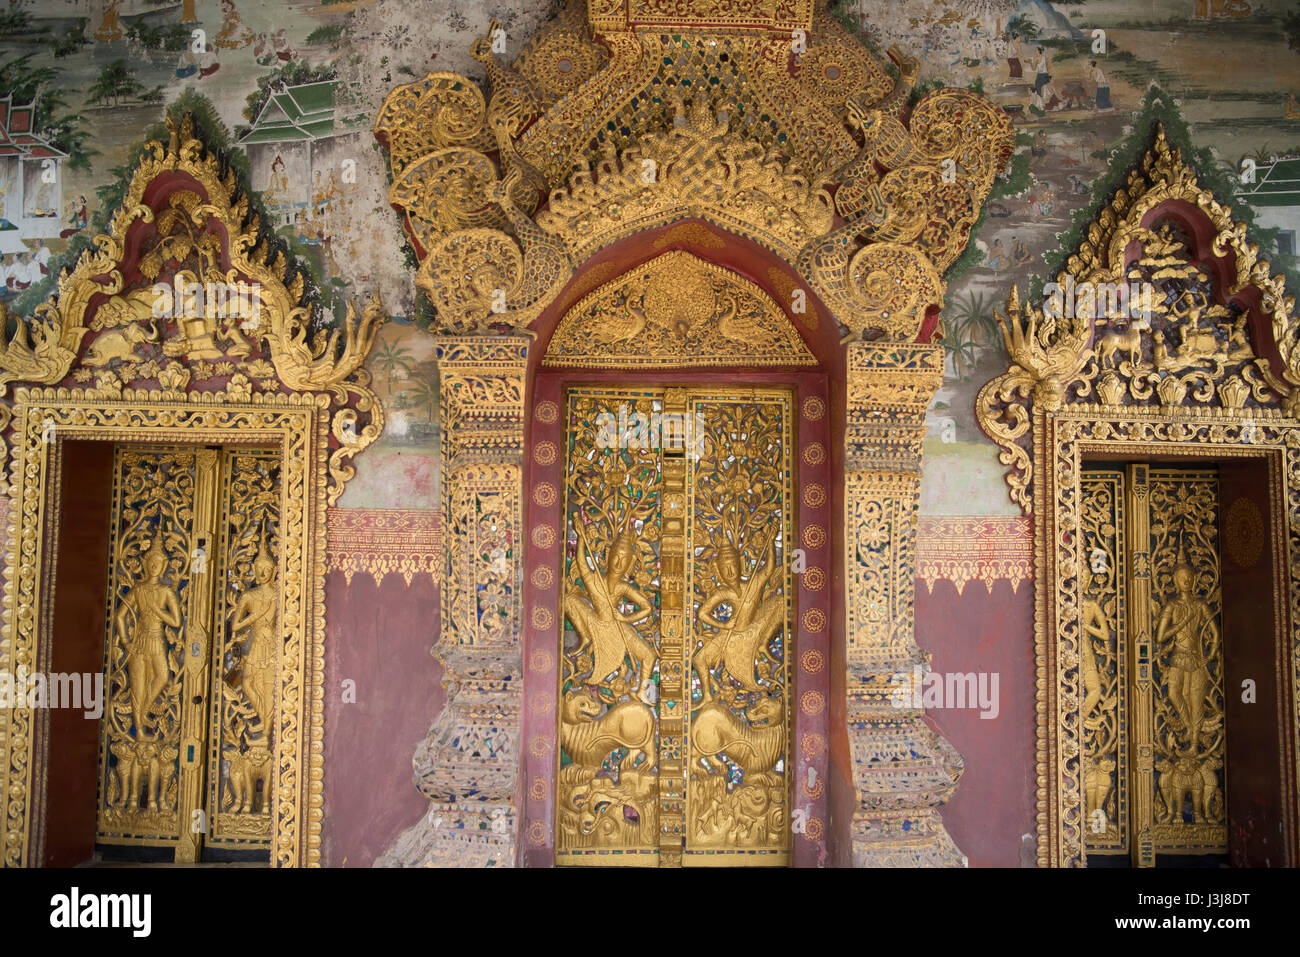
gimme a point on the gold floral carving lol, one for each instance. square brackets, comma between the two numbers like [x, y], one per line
[1184, 377]
[96, 363]
[677, 310]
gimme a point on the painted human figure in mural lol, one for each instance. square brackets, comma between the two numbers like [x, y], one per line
[1015, 70]
[256, 612]
[279, 180]
[110, 29]
[1189, 622]
[1103, 85]
[233, 32]
[744, 633]
[144, 612]
[597, 618]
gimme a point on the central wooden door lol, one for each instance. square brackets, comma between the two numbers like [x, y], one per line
[674, 717]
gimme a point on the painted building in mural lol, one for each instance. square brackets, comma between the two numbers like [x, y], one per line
[617, 434]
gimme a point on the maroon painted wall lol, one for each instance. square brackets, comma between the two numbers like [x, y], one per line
[380, 637]
[80, 597]
[993, 807]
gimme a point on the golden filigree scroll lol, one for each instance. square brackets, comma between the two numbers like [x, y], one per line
[240, 740]
[739, 730]
[613, 497]
[149, 589]
[1104, 660]
[677, 310]
[1150, 567]
[182, 520]
[613, 142]
[1188, 730]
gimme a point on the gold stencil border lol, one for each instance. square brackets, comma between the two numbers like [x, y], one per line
[299, 425]
[1099, 431]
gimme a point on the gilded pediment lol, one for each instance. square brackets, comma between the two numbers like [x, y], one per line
[680, 311]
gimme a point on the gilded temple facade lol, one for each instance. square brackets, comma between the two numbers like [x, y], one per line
[687, 279]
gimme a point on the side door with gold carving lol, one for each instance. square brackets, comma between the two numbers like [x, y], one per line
[674, 725]
[1151, 664]
[190, 650]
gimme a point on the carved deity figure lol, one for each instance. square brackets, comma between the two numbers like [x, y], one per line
[597, 617]
[1188, 620]
[256, 613]
[150, 606]
[1093, 626]
[743, 634]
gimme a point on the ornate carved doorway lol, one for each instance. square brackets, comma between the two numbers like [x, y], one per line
[676, 627]
[1152, 660]
[191, 651]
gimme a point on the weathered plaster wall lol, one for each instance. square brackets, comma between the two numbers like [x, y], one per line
[989, 632]
[379, 638]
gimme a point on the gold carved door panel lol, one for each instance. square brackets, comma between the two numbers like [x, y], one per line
[190, 650]
[1151, 663]
[675, 678]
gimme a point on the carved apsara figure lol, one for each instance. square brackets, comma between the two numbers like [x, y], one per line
[1187, 620]
[256, 613]
[744, 633]
[599, 622]
[150, 606]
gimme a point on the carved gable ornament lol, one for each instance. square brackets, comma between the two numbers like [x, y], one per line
[677, 311]
[1165, 309]
[186, 301]
[611, 122]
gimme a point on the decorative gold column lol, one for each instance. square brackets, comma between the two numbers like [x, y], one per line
[902, 770]
[468, 765]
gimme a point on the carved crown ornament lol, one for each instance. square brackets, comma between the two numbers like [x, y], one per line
[1150, 318]
[770, 121]
[186, 301]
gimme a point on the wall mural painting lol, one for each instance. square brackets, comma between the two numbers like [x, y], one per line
[296, 87]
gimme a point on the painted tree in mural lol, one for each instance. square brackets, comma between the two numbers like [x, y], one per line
[389, 359]
[115, 82]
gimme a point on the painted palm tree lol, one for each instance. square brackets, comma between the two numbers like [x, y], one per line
[424, 393]
[971, 325]
[390, 358]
